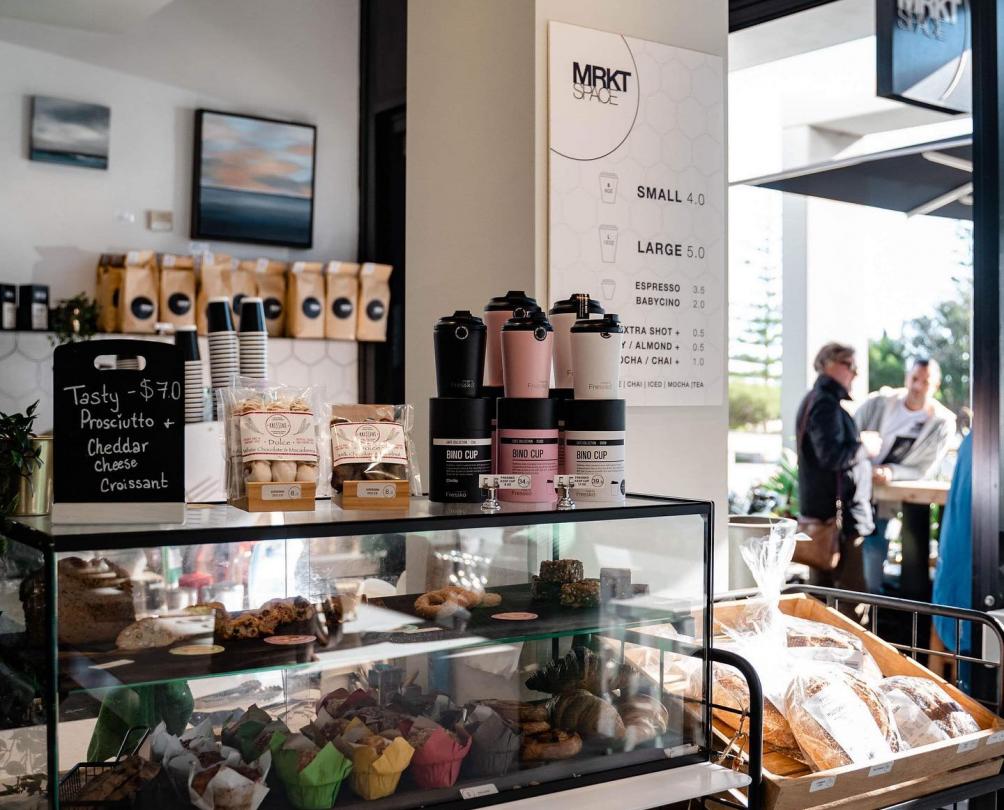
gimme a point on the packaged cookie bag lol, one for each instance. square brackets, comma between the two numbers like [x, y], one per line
[373, 443]
[272, 446]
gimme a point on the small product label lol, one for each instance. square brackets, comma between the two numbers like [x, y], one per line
[383, 490]
[571, 480]
[880, 770]
[278, 436]
[39, 316]
[365, 442]
[167, 260]
[133, 257]
[9, 315]
[262, 265]
[996, 737]
[825, 783]
[478, 791]
[281, 492]
[967, 746]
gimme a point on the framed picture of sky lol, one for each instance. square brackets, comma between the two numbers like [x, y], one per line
[253, 180]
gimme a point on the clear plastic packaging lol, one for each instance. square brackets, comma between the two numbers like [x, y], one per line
[373, 443]
[271, 434]
[839, 718]
[924, 712]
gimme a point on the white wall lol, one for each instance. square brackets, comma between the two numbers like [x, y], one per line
[296, 60]
[477, 192]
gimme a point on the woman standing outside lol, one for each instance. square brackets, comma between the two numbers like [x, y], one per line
[833, 466]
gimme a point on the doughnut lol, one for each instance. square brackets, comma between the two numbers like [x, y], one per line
[550, 745]
[429, 605]
[490, 600]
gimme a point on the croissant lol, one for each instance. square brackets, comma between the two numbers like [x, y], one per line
[588, 715]
[583, 669]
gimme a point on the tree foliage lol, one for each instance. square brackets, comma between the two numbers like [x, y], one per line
[886, 362]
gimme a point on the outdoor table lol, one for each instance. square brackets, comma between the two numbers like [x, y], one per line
[916, 498]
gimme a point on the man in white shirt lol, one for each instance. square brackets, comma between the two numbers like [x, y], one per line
[915, 430]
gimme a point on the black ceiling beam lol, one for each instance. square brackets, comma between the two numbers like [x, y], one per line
[747, 13]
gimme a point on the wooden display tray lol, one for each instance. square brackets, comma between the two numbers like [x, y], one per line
[790, 785]
[297, 496]
[391, 494]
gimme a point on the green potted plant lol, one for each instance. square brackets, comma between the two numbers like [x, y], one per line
[20, 455]
[74, 319]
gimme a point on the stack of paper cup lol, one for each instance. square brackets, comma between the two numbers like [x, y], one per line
[195, 391]
[127, 362]
[223, 352]
[253, 339]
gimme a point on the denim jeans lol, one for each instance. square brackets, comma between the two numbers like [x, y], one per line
[875, 551]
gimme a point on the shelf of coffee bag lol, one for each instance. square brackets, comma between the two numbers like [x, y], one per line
[383, 630]
[222, 523]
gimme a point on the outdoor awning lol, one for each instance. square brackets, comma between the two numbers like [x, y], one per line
[931, 178]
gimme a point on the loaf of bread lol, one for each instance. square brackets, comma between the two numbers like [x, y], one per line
[590, 716]
[839, 718]
[815, 641]
[731, 691]
[924, 712]
[95, 600]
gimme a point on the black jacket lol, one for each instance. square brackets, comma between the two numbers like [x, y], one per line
[830, 452]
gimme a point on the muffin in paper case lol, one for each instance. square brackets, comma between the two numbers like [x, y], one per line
[311, 776]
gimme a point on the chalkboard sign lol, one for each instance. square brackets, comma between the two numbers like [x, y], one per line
[118, 437]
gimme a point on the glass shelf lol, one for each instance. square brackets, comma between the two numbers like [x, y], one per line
[221, 522]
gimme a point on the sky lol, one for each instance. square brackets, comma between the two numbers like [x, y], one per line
[248, 154]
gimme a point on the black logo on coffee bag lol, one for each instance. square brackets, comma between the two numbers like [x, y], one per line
[179, 303]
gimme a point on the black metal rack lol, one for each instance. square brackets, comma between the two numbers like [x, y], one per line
[983, 794]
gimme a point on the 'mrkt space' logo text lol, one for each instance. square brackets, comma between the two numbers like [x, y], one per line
[596, 83]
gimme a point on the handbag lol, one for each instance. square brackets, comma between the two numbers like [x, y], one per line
[822, 550]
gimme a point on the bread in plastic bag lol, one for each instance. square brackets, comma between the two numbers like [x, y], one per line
[373, 443]
[924, 712]
[839, 718]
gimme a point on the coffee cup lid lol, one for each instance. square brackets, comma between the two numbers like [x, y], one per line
[462, 317]
[570, 306]
[511, 302]
[533, 321]
[608, 323]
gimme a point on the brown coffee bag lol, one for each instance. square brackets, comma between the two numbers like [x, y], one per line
[305, 300]
[341, 300]
[109, 290]
[214, 282]
[272, 291]
[243, 284]
[177, 290]
[140, 293]
[374, 302]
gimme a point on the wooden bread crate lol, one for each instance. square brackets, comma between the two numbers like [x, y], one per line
[790, 785]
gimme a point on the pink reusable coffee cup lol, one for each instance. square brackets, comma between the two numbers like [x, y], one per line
[527, 346]
[514, 304]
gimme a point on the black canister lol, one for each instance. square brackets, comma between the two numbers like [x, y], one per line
[459, 346]
[460, 447]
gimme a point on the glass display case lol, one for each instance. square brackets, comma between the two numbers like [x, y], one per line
[426, 657]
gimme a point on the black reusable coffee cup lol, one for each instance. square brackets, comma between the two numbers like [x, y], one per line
[459, 347]
[218, 315]
[252, 315]
[188, 339]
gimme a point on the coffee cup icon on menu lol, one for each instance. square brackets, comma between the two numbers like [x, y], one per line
[608, 187]
[608, 243]
[608, 287]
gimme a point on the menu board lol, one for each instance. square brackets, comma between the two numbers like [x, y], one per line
[118, 437]
[636, 205]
